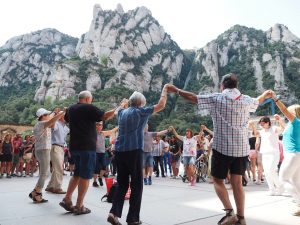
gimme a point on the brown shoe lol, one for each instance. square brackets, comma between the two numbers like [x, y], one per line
[67, 205]
[81, 210]
[58, 191]
[50, 189]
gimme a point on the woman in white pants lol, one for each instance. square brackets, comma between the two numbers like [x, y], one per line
[269, 148]
[290, 168]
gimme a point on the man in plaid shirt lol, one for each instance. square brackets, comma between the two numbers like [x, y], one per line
[230, 112]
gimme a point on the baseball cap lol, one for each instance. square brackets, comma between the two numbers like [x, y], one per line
[40, 112]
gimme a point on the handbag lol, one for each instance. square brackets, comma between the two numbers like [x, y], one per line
[27, 156]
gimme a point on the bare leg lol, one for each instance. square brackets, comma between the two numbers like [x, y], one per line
[83, 186]
[238, 193]
[73, 183]
[222, 192]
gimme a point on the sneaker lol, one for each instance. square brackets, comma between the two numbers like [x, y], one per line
[100, 181]
[95, 184]
[8, 176]
[149, 181]
[258, 182]
[229, 219]
[145, 181]
[193, 182]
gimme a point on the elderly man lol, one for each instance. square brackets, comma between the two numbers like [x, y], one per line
[230, 112]
[59, 133]
[82, 118]
[129, 155]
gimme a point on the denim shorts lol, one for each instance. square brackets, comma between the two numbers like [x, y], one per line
[147, 159]
[85, 162]
[189, 160]
[100, 162]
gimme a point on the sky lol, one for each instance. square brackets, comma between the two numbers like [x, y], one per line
[191, 23]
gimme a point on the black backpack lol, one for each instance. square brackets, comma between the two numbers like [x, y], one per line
[110, 195]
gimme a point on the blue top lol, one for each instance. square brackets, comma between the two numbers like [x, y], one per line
[291, 137]
[59, 133]
[132, 122]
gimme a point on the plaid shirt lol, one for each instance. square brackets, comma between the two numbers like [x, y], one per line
[158, 148]
[230, 118]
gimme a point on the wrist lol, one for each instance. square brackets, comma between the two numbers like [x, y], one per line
[178, 91]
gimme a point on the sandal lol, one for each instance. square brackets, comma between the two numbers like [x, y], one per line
[67, 205]
[81, 210]
[38, 198]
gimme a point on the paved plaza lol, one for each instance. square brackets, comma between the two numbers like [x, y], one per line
[166, 202]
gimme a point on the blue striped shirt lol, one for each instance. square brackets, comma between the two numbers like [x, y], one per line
[132, 122]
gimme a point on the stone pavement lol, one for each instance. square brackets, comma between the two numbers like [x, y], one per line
[166, 202]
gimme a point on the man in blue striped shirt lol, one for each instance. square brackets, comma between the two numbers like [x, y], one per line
[129, 155]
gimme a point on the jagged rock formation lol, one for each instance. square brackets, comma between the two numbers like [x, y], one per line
[26, 58]
[262, 60]
[132, 50]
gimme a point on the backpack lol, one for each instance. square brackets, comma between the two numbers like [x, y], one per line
[110, 195]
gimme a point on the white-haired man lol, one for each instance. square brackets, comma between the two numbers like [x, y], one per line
[82, 118]
[129, 155]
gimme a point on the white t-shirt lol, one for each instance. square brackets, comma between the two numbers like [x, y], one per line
[269, 141]
[189, 146]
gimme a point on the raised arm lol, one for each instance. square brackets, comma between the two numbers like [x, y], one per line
[283, 108]
[252, 126]
[162, 101]
[162, 132]
[204, 128]
[51, 122]
[185, 94]
[171, 128]
[264, 96]
[109, 132]
[281, 127]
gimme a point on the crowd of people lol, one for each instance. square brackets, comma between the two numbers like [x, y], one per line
[233, 152]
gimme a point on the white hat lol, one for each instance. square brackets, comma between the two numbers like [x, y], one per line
[40, 112]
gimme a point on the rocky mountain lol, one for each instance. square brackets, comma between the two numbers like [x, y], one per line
[131, 46]
[125, 51]
[262, 60]
[26, 58]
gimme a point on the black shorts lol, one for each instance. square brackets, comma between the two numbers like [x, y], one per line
[6, 158]
[221, 164]
[100, 162]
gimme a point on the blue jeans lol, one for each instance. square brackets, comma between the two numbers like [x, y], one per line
[167, 161]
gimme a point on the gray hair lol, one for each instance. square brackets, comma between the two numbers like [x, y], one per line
[137, 99]
[84, 94]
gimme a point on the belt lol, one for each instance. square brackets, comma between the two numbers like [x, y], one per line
[58, 145]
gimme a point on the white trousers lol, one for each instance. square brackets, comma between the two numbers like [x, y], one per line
[290, 174]
[270, 162]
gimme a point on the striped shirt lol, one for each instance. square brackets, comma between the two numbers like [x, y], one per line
[230, 118]
[158, 148]
[132, 122]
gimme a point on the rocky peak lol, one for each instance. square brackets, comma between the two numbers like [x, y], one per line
[28, 57]
[280, 32]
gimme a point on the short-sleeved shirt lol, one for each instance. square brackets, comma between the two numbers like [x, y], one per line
[269, 141]
[42, 136]
[189, 146]
[230, 118]
[148, 141]
[82, 120]
[131, 122]
[59, 133]
[100, 144]
[291, 137]
[158, 148]
[174, 147]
